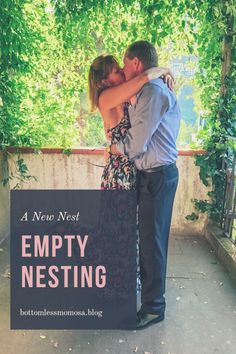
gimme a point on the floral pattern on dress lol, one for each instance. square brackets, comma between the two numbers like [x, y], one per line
[119, 172]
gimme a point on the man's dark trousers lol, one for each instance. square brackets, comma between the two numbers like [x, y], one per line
[156, 190]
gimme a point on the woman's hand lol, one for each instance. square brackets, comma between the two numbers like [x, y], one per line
[170, 82]
[155, 73]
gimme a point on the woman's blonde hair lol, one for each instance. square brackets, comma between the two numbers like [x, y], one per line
[99, 70]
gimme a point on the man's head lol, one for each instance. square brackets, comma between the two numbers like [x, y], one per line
[138, 57]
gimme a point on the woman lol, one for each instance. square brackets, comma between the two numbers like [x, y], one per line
[110, 93]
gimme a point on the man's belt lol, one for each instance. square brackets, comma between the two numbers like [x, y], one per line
[158, 168]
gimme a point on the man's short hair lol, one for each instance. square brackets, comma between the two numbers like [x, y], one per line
[145, 52]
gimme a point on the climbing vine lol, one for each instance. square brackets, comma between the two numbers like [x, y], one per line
[217, 61]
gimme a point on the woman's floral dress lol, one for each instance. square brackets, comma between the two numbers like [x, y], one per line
[120, 172]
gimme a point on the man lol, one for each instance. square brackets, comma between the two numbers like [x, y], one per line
[151, 142]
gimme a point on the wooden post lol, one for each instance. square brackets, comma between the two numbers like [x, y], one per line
[226, 53]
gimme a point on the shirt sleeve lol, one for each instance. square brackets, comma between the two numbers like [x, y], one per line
[151, 105]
